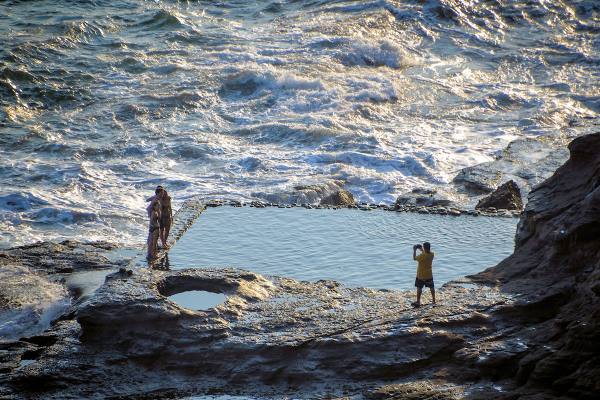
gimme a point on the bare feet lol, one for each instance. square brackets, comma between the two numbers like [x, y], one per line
[415, 304]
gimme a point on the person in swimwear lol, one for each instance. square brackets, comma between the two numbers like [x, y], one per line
[153, 230]
[166, 217]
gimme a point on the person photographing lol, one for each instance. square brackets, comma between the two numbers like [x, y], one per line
[424, 272]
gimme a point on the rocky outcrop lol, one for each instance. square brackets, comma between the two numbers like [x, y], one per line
[528, 328]
[329, 193]
[556, 269]
[271, 336]
[506, 197]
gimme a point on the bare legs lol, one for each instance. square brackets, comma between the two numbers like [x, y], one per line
[164, 234]
[420, 292]
[152, 244]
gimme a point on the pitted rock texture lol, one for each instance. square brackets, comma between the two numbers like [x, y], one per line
[272, 336]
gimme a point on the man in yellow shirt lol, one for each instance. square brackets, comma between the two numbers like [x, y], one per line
[424, 273]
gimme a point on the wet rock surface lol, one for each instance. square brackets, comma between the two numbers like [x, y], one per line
[272, 336]
[527, 328]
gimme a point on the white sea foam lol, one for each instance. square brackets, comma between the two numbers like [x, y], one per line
[33, 302]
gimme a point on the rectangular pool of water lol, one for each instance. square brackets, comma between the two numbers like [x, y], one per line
[357, 248]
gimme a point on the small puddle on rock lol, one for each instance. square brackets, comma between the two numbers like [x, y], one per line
[198, 299]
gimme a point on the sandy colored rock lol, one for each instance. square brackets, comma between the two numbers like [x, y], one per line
[340, 198]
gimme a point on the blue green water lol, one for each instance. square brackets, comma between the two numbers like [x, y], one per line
[367, 249]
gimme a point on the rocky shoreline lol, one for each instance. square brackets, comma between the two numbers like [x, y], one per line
[436, 210]
[526, 329]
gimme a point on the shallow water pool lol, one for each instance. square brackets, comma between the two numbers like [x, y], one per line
[198, 299]
[357, 248]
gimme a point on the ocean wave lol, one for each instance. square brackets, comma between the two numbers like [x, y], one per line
[81, 31]
[221, 99]
[251, 82]
[20, 74]
[252, 164]
[181, 99]
[409, 164]
[132, 64]
[285, 134]
[508, 101]
[21, 201]
[52, 215]
[383, 53]
[162, 19]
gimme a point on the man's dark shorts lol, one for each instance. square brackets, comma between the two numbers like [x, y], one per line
[424, 282]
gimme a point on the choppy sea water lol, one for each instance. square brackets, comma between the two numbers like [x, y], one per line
[360, 249]
[101, 100]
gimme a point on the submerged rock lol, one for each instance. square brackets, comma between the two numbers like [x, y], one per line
[506, 197]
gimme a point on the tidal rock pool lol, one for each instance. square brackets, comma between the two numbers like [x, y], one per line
[198, 299]
[360, 249]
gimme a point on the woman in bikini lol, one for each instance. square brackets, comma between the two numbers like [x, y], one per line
[166, 217]
[154, 229]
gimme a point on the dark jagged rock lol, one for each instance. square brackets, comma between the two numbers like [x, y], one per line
[63, 257]
[556, 263]
[506, 197]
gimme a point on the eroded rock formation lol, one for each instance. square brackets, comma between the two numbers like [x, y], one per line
[556, 266]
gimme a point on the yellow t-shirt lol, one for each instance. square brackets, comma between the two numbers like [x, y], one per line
[424, 268]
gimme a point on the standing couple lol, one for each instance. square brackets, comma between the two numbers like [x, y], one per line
[161, 216]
